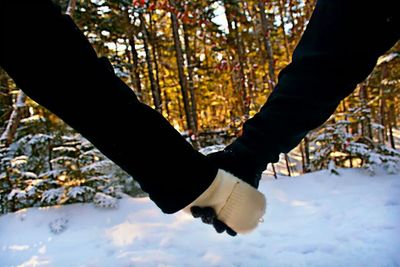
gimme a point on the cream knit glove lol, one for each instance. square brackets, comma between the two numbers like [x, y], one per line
[236, 203]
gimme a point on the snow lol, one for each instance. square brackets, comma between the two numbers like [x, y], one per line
[316, 219]
[387, 58]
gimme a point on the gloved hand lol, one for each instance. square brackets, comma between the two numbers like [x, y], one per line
[229, 204]
[242, 167]
[208, 216]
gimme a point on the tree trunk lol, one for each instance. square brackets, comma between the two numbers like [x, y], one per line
[9, 133]
[303, 157]
[391, 137]
[164, 92]
[134, 58]
[382, 107]
[231, 13]
[189, 62]
[242, 75]
[5, 97]
[135, 71]
[153, 86]
[265, 26]
[366, 123]
[382, 121]
[180, 64]
[344, 110]
[392, 113]
[71, 8]
[392, 124]
[292, 20]
[153, 41]
[307, 153]
[285, 39]
[267, 43]
[288, 164]
[166, 102]
[274, 171]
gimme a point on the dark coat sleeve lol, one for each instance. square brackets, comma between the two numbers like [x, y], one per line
[53, 63]
[338, 50]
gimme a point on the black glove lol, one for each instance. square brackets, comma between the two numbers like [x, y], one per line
[208, 216]
[245, 168]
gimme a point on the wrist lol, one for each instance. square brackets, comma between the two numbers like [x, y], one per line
[241, 165]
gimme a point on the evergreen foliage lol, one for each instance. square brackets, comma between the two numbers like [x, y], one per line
[51, 168]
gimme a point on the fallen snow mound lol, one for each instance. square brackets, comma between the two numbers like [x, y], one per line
[312, 220]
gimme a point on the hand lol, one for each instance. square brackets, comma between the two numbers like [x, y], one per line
[243, 168]
[230, 205]
[208, 216]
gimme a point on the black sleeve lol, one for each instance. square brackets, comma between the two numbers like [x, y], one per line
[338, 50]
[53, 63]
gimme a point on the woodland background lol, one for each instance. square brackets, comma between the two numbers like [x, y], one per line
[207, 66]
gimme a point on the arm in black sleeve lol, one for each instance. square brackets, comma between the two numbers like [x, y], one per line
[338, 50]
[53, 63]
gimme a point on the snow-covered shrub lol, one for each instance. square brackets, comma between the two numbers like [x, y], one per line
[42, 169]
[102, 200]
[334, 146]
[211, 149]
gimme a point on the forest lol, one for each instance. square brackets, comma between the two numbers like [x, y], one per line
[207, 66]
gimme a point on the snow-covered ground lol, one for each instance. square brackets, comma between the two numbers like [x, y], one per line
[312, 220]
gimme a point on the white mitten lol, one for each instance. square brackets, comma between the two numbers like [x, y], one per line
[236, 203]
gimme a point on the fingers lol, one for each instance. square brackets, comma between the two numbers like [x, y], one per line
[208, 216]
[220, 227]
[229, 201]
[196, 211]
[230, 232]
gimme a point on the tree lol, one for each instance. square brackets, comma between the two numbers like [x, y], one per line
[181, 65]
